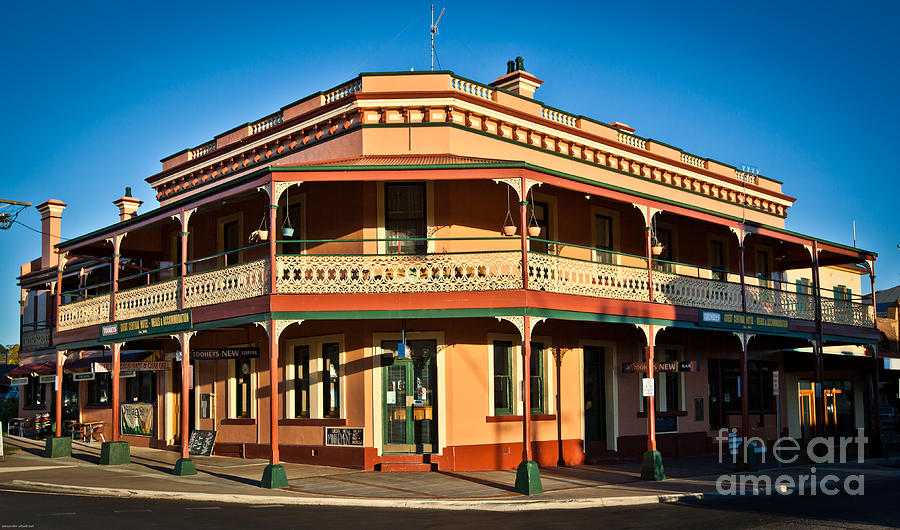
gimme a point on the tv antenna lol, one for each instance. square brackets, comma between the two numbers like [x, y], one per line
[9, 210]
[434, 31]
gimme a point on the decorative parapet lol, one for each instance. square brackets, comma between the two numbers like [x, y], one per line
[148, 300]
[238, 282]
[40, 339]
[633, 141]
[342, 91]
[201, 150]
[693, 160]
[557, 116]
[401, 273]
[84, 313]
[267, 123]
[471, 88]
[745, 176]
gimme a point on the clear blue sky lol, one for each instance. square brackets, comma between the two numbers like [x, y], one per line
[94, 95]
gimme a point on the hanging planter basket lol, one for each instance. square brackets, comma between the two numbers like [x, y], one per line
[657, 250]
[534, 231]
[509, 230]
[509, 226]
[288, 231]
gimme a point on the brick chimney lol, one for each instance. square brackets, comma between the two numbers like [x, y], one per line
[127, 205]
[51, 223]
[517, 80]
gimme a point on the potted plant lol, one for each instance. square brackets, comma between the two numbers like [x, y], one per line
[509, 229]
[657, 249]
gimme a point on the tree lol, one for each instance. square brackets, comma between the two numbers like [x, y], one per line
[10, 353]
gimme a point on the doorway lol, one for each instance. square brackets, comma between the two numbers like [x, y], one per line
[410, 397]
[594, 399]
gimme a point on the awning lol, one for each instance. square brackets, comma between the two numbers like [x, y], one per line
[105, 357]
[47, 367]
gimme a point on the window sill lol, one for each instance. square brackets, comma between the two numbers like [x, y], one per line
[512, 418]
[664, 413]
[237, 421]
[313, 422]
[98, 406]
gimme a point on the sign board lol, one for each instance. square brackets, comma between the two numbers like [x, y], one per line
[206, 404]
[137, 419]
[136, 327]
[741, 321]
[18, 381]
[47, 379]
[126, 374]
[344, 436]
[648, 387]
[202, 442]
[225, 353]
[143, 366]
[661, 366]
[83, 376]
[775, 383]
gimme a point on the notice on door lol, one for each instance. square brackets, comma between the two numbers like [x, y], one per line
[648, 387]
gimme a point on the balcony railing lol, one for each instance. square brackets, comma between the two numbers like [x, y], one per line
[452, 267]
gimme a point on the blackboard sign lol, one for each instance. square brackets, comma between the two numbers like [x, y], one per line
[351, 436]
[201, 442]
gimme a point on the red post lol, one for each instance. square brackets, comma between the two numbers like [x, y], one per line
[185, 383]
[273, 236]
[876, 377]
[116, 350]
[819, 391]
[526, 390]
[115, 277]
[183, 264]
[523, 227]
[745, 388]
[60, 360]
[651, 401]
[743, 280]
[273, 385]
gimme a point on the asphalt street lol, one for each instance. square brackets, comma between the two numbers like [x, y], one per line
[878, 507]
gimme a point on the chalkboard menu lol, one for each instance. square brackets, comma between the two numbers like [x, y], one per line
[352, 436]
[201, 442]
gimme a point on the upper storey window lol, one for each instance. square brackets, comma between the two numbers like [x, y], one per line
[405, 218]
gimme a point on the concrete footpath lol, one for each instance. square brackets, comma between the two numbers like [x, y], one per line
[225, 479]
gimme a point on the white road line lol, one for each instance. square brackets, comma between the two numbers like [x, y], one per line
[129, 511]
[60, 513]
[28, 468]
[266, 506]
[205, 508]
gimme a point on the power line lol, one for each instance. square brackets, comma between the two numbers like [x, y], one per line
[38, 231]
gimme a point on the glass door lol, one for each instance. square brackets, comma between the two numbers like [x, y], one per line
[594, 399]
[410, 397]
[807, 410]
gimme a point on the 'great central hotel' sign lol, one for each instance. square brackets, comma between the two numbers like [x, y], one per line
[161, 324]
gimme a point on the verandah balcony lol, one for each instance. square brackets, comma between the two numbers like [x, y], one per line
[564, 268]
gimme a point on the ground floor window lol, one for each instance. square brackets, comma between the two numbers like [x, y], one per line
[241, 388]
[313, 375]
[726, 389]
[536, 374]
[34, 393]
[99, 389]
[331, 381]
[141, 388]
[301, 373]
[503, 377]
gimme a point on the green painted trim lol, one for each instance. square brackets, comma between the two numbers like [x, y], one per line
[234, 321]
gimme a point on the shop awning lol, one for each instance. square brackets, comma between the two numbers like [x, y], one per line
[85, 363]
[47, 367]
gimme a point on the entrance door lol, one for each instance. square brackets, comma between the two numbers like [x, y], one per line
[807, 411]
[410, 397]
[594, 399]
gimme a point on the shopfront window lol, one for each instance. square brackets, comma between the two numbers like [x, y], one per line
[34, 393]
[301, 381]
[536, 374]
[243, 371]
[100, 389]
[141, 388]
[331, 387]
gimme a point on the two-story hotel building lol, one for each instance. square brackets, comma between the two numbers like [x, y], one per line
[416, 270]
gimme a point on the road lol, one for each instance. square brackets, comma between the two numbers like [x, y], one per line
[879, 507]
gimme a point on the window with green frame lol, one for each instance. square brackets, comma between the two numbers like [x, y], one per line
[536, 373]
[503, 381]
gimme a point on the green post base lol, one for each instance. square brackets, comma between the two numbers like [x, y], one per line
[58, 447]
[274, 477]
[748, 458]
[652, 466]
[115, 453]
[184, 466]
[528, 478]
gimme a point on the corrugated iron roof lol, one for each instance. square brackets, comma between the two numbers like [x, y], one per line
[406, 160]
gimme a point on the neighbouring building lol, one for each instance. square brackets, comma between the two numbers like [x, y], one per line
[356, 274]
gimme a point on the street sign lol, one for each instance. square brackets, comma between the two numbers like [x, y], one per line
[775, 383]
[648, 387]
[47, 379]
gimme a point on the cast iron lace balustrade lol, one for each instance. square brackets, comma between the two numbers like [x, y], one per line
[148, 300]
[237, 282]
[847, 312]
[84, 313]
[782, 303]
[400, 273]
[558, 274]
[688, 291]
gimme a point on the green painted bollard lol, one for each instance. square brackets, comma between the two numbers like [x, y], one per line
[184, 466]
[652, 466]
[58, 447]
[528, 478]
[274, 477]
[115, 453]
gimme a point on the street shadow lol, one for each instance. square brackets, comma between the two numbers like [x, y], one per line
[233, 478]
[481, 481]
